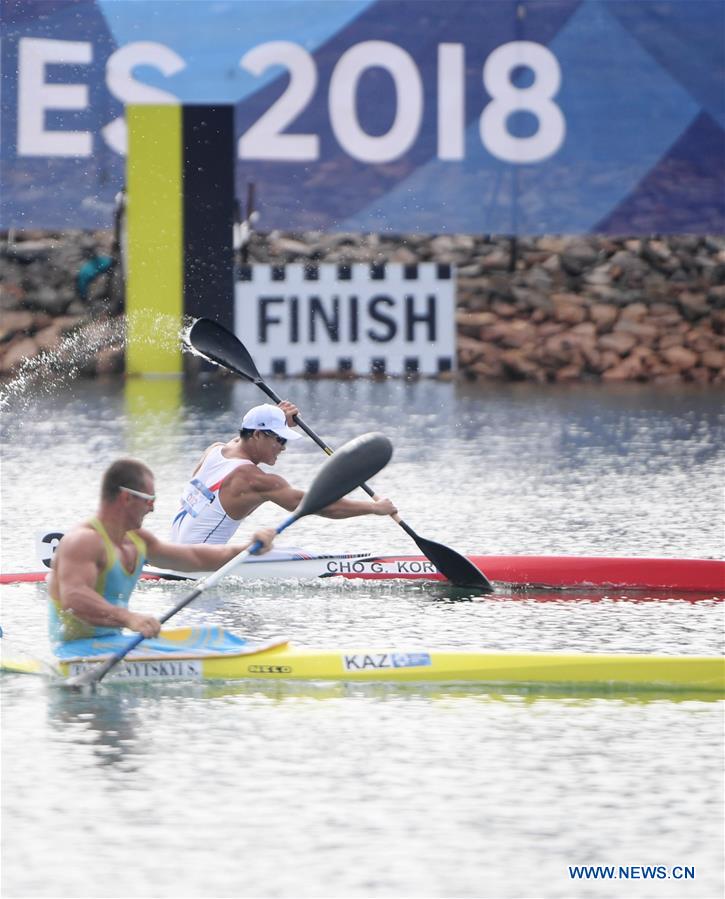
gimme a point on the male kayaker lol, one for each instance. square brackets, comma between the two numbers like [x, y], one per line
[98, 563]
[227, 484]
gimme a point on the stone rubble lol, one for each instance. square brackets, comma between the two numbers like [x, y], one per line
[546, 309]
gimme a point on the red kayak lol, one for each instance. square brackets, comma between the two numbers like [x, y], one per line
[561, 572]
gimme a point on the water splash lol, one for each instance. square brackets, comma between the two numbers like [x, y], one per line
[41, 375]
[150, 328]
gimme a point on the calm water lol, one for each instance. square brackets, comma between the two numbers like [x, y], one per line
[285, 791]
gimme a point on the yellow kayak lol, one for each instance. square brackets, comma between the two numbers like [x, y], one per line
[215, 654]
[204, 653]
[295, 663]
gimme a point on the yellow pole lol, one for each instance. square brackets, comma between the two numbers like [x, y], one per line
[155, 240]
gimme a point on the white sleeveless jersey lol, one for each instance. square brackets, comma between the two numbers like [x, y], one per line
[201, 518]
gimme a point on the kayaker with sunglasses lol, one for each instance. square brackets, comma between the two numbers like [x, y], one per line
[98, 563]
[227, 485]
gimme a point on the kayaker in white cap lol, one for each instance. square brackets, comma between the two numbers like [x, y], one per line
[227, 485]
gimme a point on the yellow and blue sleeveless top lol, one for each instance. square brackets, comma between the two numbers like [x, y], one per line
[114, 583]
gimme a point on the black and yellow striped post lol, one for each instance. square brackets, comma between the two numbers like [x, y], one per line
[179, 220]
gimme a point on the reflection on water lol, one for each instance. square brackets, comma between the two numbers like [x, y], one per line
[290, 691]
[631, 470]
[431, 791]
[274, 789]
[107, 721]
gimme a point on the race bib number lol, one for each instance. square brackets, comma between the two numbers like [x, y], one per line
[197, 496]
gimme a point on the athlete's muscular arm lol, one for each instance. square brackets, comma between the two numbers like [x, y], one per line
[352, 508]
[78, 561]
[247, 487]
[272, 488]
[199, 557]
[275, 489]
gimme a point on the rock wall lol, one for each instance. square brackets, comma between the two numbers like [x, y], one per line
[44, 302]
[543, 309]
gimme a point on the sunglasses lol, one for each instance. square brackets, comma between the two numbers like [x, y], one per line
[281, 440]
[149, 497]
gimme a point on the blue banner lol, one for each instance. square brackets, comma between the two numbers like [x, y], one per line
[481, 116]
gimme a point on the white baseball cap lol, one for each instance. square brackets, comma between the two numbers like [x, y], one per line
[269, 418]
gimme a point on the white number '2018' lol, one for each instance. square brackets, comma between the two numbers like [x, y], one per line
[266, 138]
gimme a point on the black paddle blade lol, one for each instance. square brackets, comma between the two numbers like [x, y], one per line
[214, 342]
[459, 570]
[353, 463]
[221, 346]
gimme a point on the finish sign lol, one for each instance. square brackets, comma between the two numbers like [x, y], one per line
[357, 319]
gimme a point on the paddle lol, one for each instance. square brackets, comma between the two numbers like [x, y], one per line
[218, 345]
[358, 459]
